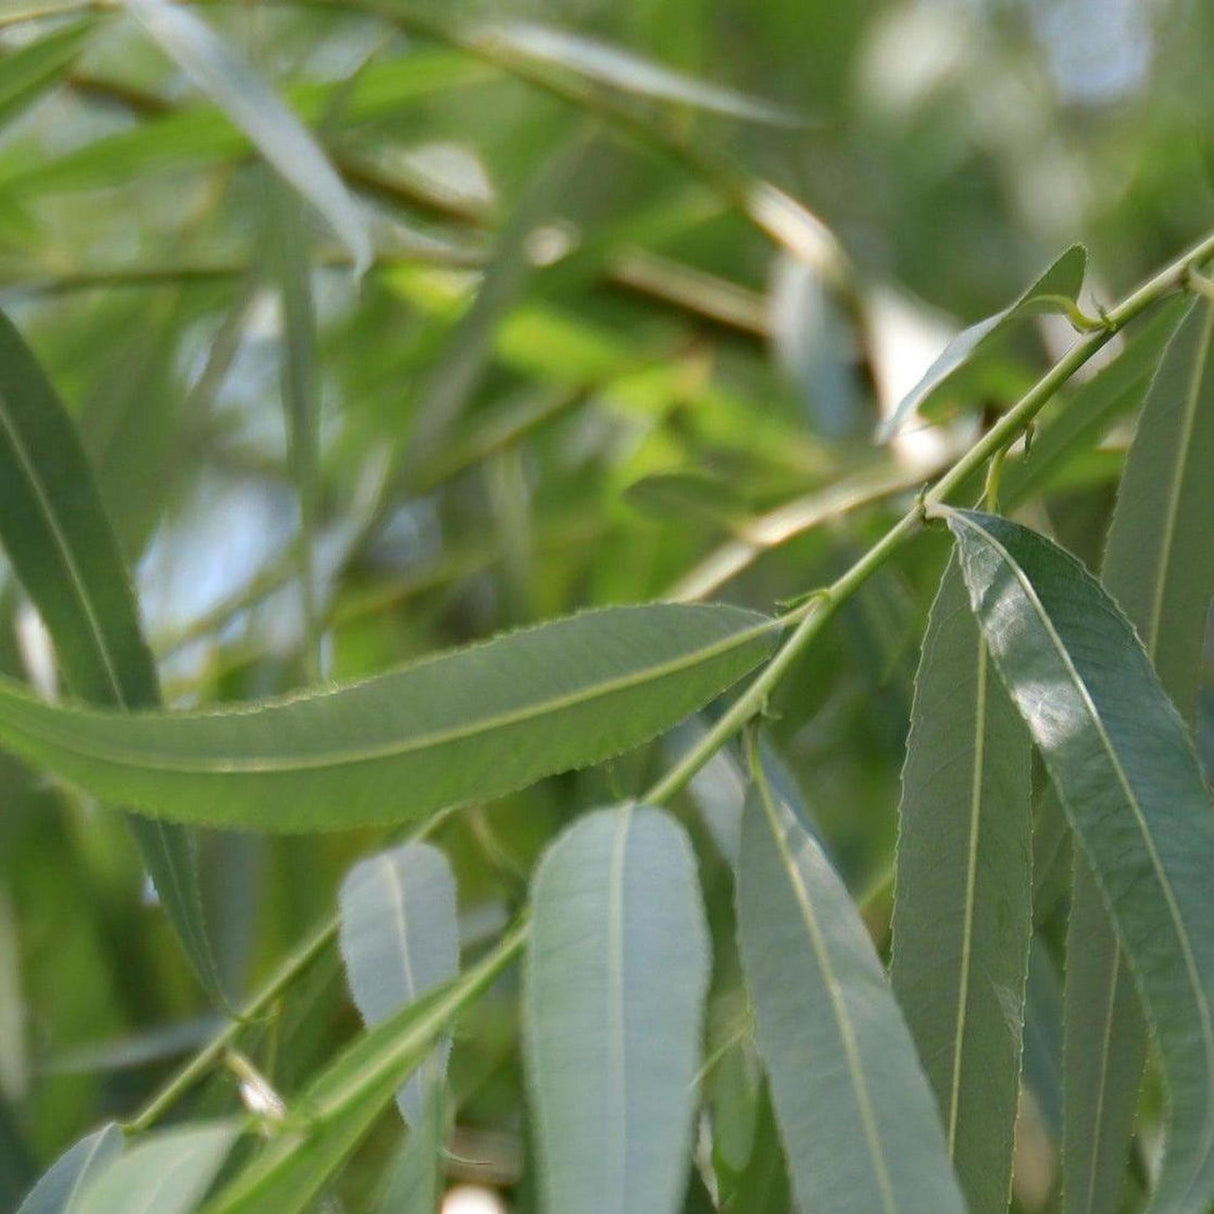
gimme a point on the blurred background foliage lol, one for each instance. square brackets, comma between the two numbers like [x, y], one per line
[579, 371]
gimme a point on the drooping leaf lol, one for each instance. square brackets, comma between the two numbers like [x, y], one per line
[624, 70]
[399, 940]
[61, 545]
[860, 1127]
[471, 723]
[1159, 566]
[167, 1173]
[27, 73]
[1054, 291]
[1123, 764]
[59, 1188]
[963, 913]
[344, 1101]
[217, 69]
[616, 976]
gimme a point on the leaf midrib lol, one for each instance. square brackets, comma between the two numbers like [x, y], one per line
[463, 732]
[74, 577]
[842, 1019]
[1161, 875]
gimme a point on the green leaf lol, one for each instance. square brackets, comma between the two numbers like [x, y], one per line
[615, 981]
[860, 1127]
[27, 73]
[399, 940]
[762, 1186]
[415, 1182]
[963, 911]
[258, 111]
[1043, 1035]
[1054, 291]
[1083, 420]
[287, 243]
[1123, 764]
[468, 724]
[200, 135]
[1159, 566]
[167, 1173]
[624, 70]
[57, 535]
[342, 1104]
[59, 1188]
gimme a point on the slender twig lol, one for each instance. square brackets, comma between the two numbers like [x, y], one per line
[813, 616]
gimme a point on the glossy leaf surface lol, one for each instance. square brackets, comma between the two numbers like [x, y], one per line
[1124, 768]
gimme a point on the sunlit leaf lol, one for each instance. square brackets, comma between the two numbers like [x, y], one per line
[963, 915]
[470, 723]
[860, 1127]
[617, 972]
[1123, 764]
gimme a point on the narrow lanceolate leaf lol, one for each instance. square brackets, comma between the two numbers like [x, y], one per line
[256, 109]
[58, 1190]
[1159, 566]
[27, 73]
[616, 975]
[861, 1130]
[169, 1173]
[399, 940]
[1054, 291]
[61, 545]
[471, 723]
[963, 913]
[624, 70]
[1123, 764]
[345, 1100]
[287, 240]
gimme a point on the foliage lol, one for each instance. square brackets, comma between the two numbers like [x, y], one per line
[532, 652]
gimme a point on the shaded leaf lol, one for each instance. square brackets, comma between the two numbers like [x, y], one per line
[399, 940]
[470, 723]
[1054, 291]
[1125, 771]
[166, 1173]
[1114, 391]
[254, 107]
[860, 1127]
[963, 914]
[59, 1188]
[616, 976]
[342, 1103]
[57, 535]
[415, 1182]
[1159, 566]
